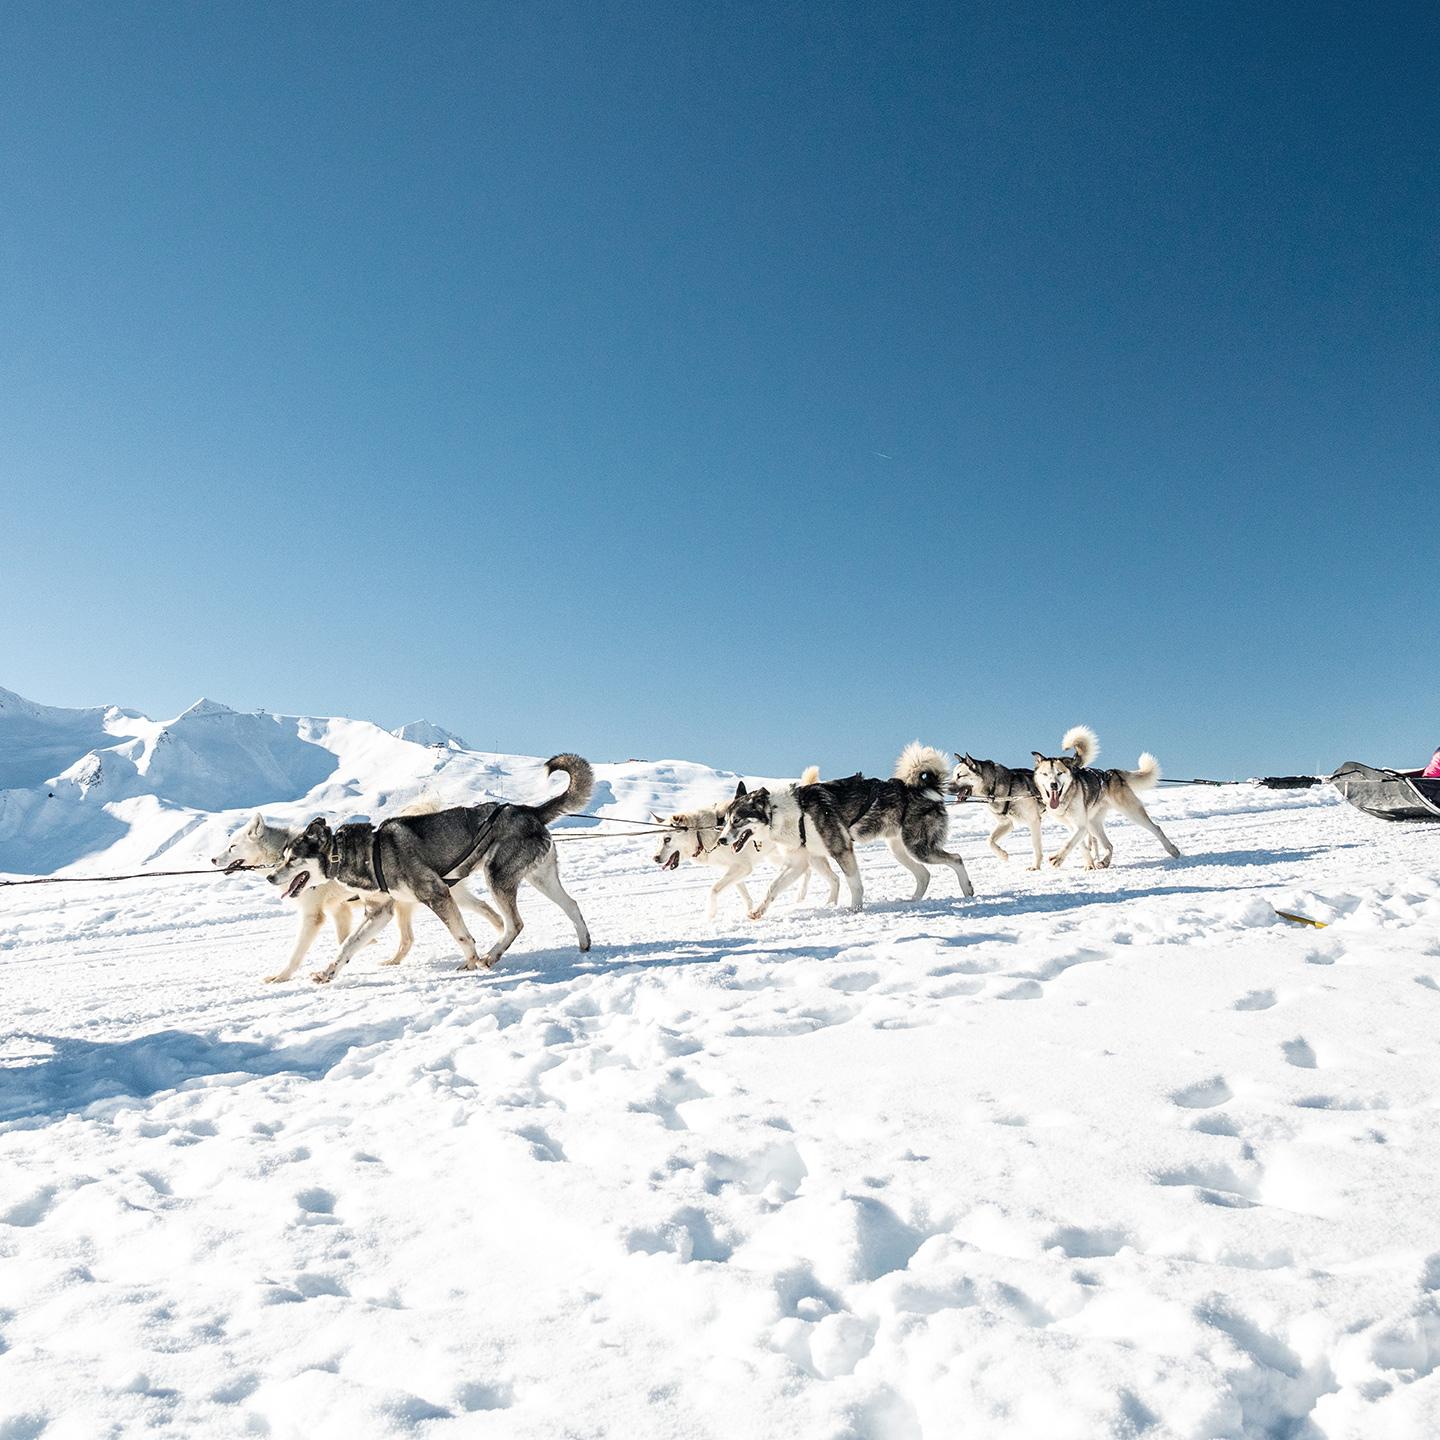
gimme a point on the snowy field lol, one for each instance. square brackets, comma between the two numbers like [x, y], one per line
[1090, 1155]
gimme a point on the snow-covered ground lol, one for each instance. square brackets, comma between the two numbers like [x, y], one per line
[1100, 1154]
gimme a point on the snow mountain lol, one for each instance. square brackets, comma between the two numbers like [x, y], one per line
[86, 790]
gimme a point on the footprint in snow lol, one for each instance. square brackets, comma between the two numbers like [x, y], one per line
[1255, 1000]
[1203, 1095]
[1299, 1053]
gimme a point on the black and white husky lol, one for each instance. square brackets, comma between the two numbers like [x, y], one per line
[695, 835]
[826, 819]
[1079, 796]
[259, 845]
[1011, 795]
[417, 858]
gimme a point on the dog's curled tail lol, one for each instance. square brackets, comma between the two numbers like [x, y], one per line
[575, 794]
[923, 767]
[425, 803]
[1082, 739]
[1146, 774]
[809, 776]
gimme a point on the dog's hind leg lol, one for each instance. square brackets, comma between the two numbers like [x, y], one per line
[832, 880]
[404, 913]
[545, 877]
[931, 852]
[1099, 847]
[1128, 803]
[1035, 843]
[1003, 826]
[310, 923]
[901, 852]
[505, 901]
[340, 918]
[467, 901]
[375, 921]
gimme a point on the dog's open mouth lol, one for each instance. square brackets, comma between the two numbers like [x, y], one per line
[673, 863]
[233, 866]
[297, 884]
[1054, 798]
[738, 843]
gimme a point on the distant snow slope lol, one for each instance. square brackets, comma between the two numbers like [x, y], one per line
[95, 789]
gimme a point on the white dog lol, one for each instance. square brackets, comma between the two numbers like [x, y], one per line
[258, 843]
[1080, 795]
[695, 835]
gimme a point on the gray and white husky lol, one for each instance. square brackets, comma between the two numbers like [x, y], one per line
[907, 812]
[259, 845]
[417, 858]
[695, 835]
[1079, 796]
[1011, 795]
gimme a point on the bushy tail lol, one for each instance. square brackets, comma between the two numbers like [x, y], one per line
[1081, 739]
[810, 776]
[575, 794]
[1146, 774]
[425, 803]
[922, 766]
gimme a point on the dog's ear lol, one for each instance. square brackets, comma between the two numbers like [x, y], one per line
[318, 829]
[256, 825]
[656, 818]
[739, 789]
[1038, 756]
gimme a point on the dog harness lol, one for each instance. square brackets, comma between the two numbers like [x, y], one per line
[482, 839]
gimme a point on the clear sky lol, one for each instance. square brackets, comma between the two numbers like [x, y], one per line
[749, 383]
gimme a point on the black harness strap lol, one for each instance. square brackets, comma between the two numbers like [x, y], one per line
[481, 838]
[376, 868]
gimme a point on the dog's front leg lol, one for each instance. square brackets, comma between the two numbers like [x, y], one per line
[310, 923]
[794, 867]
[1063, 853]
[850, 868]
[370, 927]
[1035, 843]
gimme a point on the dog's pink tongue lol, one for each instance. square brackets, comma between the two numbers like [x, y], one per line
[1054, 799]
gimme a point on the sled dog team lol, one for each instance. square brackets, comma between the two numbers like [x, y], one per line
[423, 855]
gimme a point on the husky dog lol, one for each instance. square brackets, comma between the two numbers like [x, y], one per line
[1080, 796]
[826, 819]
[419, 857]
[258, 845]
[1011, 795]
[695, 835]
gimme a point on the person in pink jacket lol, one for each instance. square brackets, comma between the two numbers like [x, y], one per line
[1432, 770]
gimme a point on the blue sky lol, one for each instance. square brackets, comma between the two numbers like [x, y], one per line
[756, 384]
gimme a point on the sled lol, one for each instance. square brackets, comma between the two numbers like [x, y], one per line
[1388, 794]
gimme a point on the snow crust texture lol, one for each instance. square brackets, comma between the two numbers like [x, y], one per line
[1110, 1154]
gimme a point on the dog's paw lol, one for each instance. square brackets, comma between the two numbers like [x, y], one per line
[1038, 865]
[276, 978]
[323, 977]
[469, 964]
[393, 960]
[1055, 861]
[756, 914]
[585, 945]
